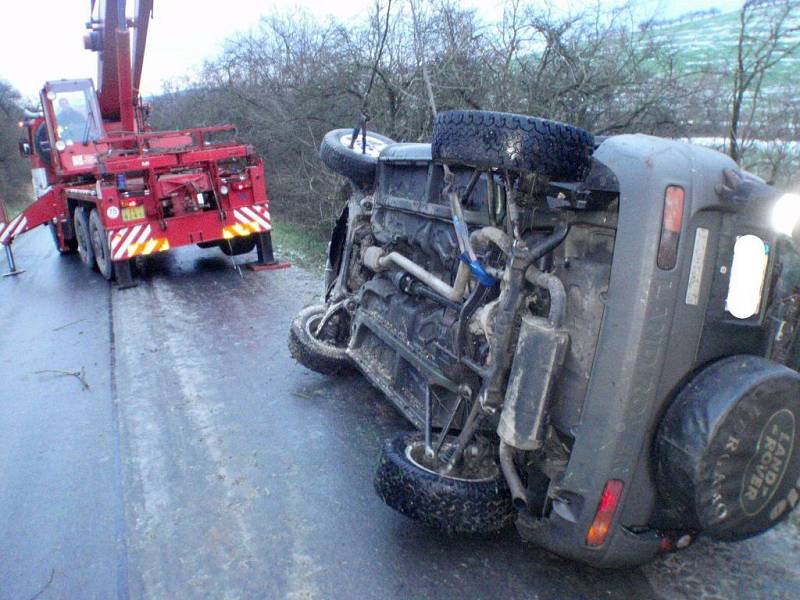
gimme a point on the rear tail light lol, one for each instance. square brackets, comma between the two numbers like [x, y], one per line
[670, 228]
[609, 502]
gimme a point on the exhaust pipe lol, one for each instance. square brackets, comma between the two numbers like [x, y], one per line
[519, 499]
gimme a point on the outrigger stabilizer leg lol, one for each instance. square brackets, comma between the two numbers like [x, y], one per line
[124, 274]
[266, 257]
[12, 265]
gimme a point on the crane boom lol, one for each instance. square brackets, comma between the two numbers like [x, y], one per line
[118, 77]
[142, 16]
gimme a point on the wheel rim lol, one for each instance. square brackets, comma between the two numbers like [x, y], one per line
[416, 450]
[374, 145]
[311, 331]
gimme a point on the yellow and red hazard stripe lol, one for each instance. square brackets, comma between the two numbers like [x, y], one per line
[134, 241]
[249, 219]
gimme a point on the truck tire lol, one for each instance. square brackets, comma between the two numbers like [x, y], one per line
[452, 504]
[102, 253]
[728, 448]
[497, 140]
[353, 164]
[323, 356]
[42, 145]
[238, 245]
[72, 245]
[85, 249]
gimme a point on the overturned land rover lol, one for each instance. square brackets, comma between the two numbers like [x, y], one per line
[594, 338]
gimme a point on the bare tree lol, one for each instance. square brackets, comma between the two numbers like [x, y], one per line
[294, 77]
[14, 173]
[765, 38]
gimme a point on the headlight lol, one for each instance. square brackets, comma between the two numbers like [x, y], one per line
[61, 146]
[786, 214]
[223, 189]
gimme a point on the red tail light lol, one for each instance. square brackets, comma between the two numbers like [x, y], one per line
[670, 227]
[609, 502]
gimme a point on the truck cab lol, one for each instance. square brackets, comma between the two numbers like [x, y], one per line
[65, 134]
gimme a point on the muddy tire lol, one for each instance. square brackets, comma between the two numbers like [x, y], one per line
[497, 140]
[455, 505]
[102, 253]
[238, 245]
[728, 449]
[72, 245]
[326, 357]
[85, 249]
[353, 163]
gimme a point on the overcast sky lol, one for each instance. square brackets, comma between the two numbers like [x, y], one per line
[42, 39]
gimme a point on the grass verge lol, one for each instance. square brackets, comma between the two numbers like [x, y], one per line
[295, 244]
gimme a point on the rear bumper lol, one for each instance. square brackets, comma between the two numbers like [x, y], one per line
[147, 237]
[623, 547]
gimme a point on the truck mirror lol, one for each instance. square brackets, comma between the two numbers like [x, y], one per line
[24, 148]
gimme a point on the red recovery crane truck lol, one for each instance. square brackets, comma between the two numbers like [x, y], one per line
[111, 189]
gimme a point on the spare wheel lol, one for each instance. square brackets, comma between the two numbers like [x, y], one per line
[358, 163]
[727, 450]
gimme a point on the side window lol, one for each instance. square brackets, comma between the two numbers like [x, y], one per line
[71, 115]
[75, 118]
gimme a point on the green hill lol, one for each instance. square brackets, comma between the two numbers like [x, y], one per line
[708, 41]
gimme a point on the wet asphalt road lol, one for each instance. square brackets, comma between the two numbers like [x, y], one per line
[202, 462]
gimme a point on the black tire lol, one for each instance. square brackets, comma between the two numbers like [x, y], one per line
[353, 164]
[42, 144]
[72, 245]
[313, 353]
[728, 449]
[487, 139]
[85, 249]
[450, 504]
[238, 245]
[102, 253]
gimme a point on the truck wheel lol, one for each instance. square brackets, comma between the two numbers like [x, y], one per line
[357, 166]
[497, 140]
[238, 245]
[42, 145]
[473, 503]
[102, 254]
[72, 245]
[85, 249]
[728, 448]
[323, 352]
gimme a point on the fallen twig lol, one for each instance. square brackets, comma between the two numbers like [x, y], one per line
[46, 585]
[68, 324]
[79, 375]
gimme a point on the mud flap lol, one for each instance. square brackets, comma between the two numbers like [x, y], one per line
[123, 273]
